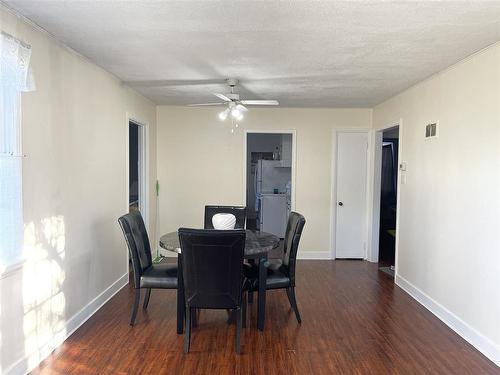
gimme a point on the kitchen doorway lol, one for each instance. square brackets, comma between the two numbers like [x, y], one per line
[269, 180]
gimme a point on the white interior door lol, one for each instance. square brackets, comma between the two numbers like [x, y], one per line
[350, 237]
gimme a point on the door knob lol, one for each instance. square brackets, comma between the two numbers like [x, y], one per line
[341, 204]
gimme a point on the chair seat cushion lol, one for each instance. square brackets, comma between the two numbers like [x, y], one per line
[277, 279]
[161, 276]
[277, 276]
[251, 271]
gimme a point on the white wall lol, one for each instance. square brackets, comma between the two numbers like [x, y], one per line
[74, 136]
[449, 232]
[201, 162]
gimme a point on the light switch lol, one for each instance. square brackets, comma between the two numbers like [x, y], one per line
[403, 178]
[402, 166]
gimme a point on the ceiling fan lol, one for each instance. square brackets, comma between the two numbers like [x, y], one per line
[235, 105]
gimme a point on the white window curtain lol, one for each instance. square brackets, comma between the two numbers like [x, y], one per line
[15, 77]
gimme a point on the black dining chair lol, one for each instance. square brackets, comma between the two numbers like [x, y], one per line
[212, 269]
[281, 272]
[146, 274]
[240, 213]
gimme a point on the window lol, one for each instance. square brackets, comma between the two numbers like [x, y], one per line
[14, 79]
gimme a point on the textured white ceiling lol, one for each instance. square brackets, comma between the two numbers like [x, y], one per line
[307, 53]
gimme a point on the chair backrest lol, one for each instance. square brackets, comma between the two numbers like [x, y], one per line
[212, 266]
[293, 232]
[240, 212]
[137, 240]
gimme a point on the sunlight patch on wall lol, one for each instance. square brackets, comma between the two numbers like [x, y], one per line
[43, 295]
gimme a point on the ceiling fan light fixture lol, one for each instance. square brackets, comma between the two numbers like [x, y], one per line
[223, 115]
[236, 113]
[235, 107]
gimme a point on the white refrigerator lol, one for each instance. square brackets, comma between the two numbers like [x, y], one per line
[273, 214]
[272, 209]
[270, 175]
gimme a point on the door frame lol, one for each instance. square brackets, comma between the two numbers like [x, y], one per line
[144, 171]
[333, 184]
[376, 172]
[293, 132]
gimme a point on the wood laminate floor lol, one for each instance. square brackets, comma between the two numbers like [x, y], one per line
[355, 321]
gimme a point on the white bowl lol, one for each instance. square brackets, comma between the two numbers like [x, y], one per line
[223, 221]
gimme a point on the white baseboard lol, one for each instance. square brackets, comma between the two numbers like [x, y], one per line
[30, 361]
[314, 255]
[475, 338]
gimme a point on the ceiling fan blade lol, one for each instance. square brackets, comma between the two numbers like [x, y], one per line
[204, 104]
[260, 102]
[223, 97]
[174, 82]
[241, 107]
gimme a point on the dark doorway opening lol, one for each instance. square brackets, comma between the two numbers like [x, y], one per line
[134, 171]
[388, 198]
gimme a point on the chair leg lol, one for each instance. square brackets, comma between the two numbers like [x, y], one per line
[137, 299]
[238, 330]
[187, 335]
[181, 303]
[146, 299]
[230, 316]
[194, 318]
[290, 292]
[244, 312]
[250, 297]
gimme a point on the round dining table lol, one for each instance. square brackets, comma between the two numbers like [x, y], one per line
[257, 245]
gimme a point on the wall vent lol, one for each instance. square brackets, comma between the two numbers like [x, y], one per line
[431, 130]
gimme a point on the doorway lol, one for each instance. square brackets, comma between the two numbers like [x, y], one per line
[269, 164]
[351, 194]
[137, 179]
[388, 199]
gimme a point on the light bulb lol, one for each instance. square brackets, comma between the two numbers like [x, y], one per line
[223, 115]
[236, 113]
